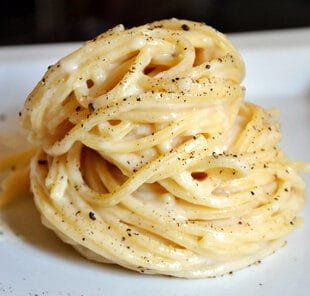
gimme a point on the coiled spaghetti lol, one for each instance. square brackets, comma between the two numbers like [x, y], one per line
[149, 157]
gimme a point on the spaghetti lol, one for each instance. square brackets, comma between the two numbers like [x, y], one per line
[150, 158]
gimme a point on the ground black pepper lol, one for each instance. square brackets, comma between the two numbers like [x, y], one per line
[91, 107]
[185, 27]
[2, 117]
[92, 216]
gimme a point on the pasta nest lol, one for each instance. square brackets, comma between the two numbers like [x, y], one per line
[150, 158]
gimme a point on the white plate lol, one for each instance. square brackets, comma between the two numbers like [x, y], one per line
[34, 261]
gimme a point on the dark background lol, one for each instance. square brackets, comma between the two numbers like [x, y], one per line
[41, 21]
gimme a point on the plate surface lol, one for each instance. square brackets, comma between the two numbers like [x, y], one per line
[33, 261]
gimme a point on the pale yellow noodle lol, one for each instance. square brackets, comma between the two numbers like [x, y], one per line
[150, 158]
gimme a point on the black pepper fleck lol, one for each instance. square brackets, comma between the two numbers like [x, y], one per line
[92, 216]
[91, 107]
[3, 117]
[185, 27]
